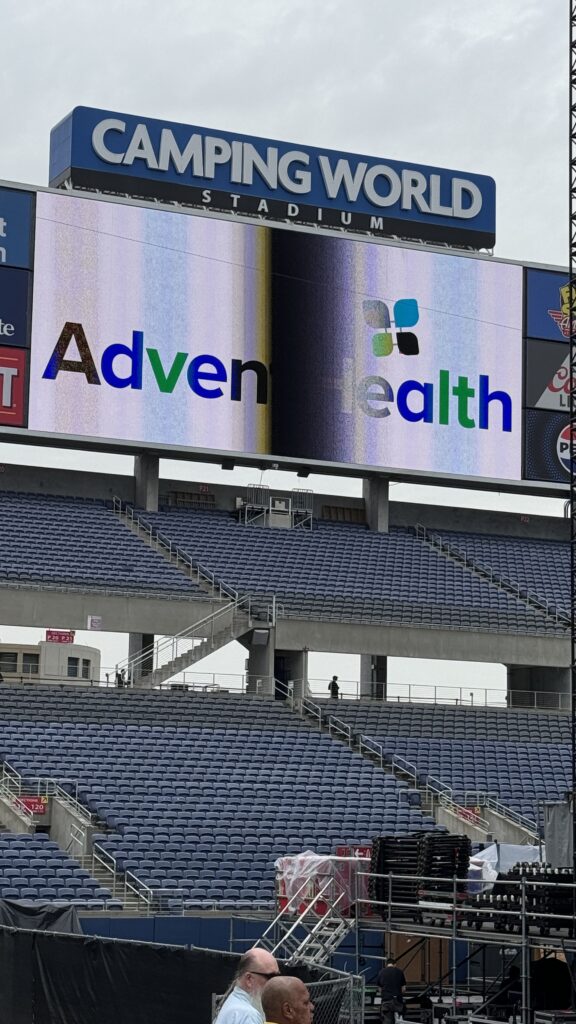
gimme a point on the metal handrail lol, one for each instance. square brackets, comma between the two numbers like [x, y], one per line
[336, 725]
[508, 584]
[127, 511]
[45, 786]
[197, 630]
[366, 743]
[494, 804]
[19, 808]
[405, 766]
[463, 813]
[309, 707]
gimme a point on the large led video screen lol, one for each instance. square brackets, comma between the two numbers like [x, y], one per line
[140, 321]
[167, 329]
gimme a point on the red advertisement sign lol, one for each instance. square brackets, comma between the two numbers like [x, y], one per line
[12, 387]
[60, 636]
[34, 804]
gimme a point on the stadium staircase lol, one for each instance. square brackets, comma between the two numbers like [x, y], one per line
[309, 931]
[551, 614]
[171, 655]
[436, 798]
[232, 617]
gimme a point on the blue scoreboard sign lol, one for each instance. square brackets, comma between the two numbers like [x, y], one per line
[275, 180]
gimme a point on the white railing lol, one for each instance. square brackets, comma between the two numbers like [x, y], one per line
[169, 648]
[492, 802]
[406, 767]
[340, 729]
[35, 785]
[437, 693]
[10, 792]
[308, 707]
[371, 747]
[463, 813]
[174, 552]
[524, 594]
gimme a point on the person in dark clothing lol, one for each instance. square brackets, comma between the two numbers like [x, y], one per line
[334, 688]
[392, 983]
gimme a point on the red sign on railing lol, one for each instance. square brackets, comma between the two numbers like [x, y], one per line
[34, 804]
[60, 636]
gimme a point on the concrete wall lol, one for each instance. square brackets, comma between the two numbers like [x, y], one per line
[505, 831]
[457, 826]
[405, 642]
[13, 821]
[63, 818]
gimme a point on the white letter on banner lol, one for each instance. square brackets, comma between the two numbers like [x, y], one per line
[266, 168]
[333, 179]
[110, 124]
[216, 151]
[301, 180]
[435, 201]
[459, 187]
[170, 151]
[393, 179]
[414, 185]
[236, 165]
[141, 148]
[7, 373]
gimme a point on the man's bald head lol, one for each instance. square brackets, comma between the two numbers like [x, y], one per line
[255, 968]
[286, 1001]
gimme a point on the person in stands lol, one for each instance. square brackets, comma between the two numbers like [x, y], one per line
[334, 688]
[287, 1001]
[392, 984]
[243, 1004]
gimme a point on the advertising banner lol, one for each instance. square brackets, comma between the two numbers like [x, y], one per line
[547, 446]
[165, 329]
[15, 287]
[396, 358]
[219, 170]
[547, 376]
[547, 305]
[16, 227]
[13, 386]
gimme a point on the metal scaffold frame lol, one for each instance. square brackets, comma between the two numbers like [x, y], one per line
[523, 914]
[571, 311]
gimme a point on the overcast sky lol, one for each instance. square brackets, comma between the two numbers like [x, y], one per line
[476, 87]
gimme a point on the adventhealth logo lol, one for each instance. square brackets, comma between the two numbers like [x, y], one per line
[391, 330]
[425, 401]
[122, 366]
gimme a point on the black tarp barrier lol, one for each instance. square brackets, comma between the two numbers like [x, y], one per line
[49, 978]
[40, 917]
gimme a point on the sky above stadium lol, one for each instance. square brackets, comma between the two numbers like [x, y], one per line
[478, 87]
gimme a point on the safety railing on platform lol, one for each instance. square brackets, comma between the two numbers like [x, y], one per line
[435, 693]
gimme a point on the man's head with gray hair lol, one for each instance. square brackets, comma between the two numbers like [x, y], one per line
[287, 1001]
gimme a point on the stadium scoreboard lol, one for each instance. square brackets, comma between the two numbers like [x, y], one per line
[129, 325]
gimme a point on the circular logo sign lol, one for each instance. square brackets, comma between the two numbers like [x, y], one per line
[563, 447]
